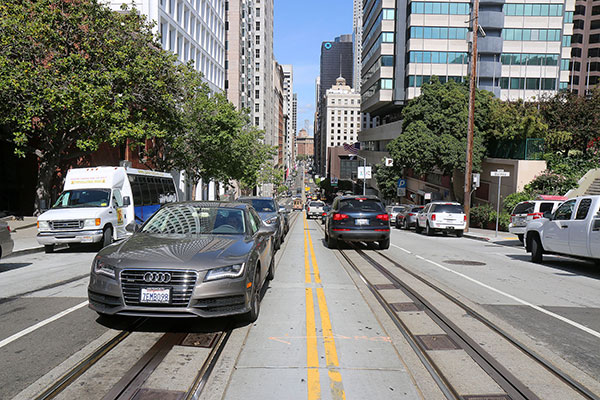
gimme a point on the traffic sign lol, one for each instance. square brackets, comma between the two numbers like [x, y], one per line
[500, 172]
[389, 162]
[401, 183]
[401, 188]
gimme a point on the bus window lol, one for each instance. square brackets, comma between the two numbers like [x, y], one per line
[145, 190]
[136, 190]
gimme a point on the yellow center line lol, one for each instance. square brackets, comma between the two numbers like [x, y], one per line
[335, 377]
[312, 355]
[307, 278]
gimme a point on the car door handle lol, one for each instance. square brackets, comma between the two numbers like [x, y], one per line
[564, 226]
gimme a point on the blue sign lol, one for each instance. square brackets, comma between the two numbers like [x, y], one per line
[327, 45]
[401, 183]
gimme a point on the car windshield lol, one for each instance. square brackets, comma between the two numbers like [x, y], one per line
[83, 198]
[397, 209]
[316, 204]
[524, 208]
[448, 208]
[262, 205]
[190, 219]
[361, 204]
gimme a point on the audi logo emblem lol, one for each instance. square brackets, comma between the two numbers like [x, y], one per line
[157, 277]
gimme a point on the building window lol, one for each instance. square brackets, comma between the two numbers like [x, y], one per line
[256, 107]
[257, 12]
[257, 39]
[257, 53]
[418, 7]
[257, 94]
[256, 121]
[533, 10]
[258, 25]
[542, 35]
[432, 32]
[257, 79]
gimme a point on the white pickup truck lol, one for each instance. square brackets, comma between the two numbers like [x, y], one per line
[315, 209]
[572, 230]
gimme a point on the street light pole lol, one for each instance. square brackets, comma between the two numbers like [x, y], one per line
[364, 173]
[471, 120]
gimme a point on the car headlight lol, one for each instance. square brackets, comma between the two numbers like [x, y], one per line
[271, 220]
[103, 268]
[230, 271]
[43, 225]
[87, 223]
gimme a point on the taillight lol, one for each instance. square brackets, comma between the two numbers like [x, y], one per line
[8, 227]
[411, 214]
[465, 218]
[511, 217]
[535, 215]
[433, 217]
[384, 217]
[324, 214]
[339, 217]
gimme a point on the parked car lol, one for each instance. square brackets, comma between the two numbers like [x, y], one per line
[284, 212]
[314, 209]
[447, 217]
[393, 211]
[359, 219]
[268, 210]
[326, 210]
[205, 259]
[572, 230]
[408, 217]
[527, 211]
[6, 242]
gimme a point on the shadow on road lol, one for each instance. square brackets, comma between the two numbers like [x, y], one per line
[11, 266]
[571, 267]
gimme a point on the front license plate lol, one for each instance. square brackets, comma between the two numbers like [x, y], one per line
[155, 295]
[87, 239]
[362, 221]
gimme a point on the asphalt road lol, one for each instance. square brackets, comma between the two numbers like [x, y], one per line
[554, 305]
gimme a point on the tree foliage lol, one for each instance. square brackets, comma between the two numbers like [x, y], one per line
[387, 181]
[515, 121]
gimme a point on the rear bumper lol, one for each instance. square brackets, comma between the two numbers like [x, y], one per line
[447, 227]
[360, 235]
[516, 230]
[92, 236]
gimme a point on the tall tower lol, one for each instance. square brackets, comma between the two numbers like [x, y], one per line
[240, 53]
[357, 26]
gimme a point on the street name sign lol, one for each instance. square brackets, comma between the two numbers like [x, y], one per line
[500, 173]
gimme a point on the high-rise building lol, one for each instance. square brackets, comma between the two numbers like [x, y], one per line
[585, 66]
[336, 61]
[290, 110]
[193, 30]
[294, 125]
[240, 53]
[357, 26]
[523, 49]
[341, 118]
[280, 117]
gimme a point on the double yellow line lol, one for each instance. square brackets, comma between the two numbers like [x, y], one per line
[312, 354]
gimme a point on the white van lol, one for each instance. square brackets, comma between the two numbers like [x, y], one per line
[97, 204]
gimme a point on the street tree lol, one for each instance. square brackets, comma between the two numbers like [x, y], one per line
[74, 74]
[387, 180]
[434, 129]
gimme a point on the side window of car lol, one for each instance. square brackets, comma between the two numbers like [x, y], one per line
[257, 220]
[253, 226]
[565, 211]
[583, 209]
[426, 209]
[546, 207]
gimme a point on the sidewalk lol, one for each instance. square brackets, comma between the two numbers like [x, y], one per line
[23, 233]
[488, 235]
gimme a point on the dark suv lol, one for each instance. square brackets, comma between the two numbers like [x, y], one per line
[357, 219]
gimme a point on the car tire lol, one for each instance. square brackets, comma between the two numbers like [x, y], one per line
[428, 230]
[405, 225]
[332, 243]
[271, 273]
[521, 236]
[537, 251]
[418, 228]
[252, 315]
[107, 237]
[384, 244]
[48, 248]
[459, 233]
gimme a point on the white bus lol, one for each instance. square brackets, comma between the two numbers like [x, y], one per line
[97, 204]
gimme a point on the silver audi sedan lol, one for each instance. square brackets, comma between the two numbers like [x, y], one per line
[207, 259]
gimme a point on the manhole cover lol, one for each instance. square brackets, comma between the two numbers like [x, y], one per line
[464, 262]
[199, 340]
[405, 307]
[437, 342]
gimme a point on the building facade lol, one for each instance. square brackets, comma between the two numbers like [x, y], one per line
[305, 144]
[357, 27]
[290, 101]
[585, 65]
[341, 118]
[239, 61]
[281, 117]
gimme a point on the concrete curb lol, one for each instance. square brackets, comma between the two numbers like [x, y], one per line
[25, 227]
[32, 250]
[482, 239]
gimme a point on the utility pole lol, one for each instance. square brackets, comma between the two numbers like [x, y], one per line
[471, 121]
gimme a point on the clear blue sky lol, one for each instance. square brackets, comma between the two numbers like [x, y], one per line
[300, 27]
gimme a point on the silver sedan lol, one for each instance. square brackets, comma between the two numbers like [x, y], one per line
[207, 259]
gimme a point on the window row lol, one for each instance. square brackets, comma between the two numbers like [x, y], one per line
[529, 59]
[534, 10]
[385, 37]
[438, 57]
[430, 32]
[381, 84]
[528, 83]
[543, 35]
[385, 14]
[418, 7]
[383, 61]
[419, 80]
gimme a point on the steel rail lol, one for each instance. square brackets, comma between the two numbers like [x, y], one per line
[197, 387]
[82, 366]
[567, 379]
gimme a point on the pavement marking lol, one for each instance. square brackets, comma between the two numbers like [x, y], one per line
[312, 355]
[403, 249]
[307, 278]
[41, 323]
[518, 300]
[313, 259]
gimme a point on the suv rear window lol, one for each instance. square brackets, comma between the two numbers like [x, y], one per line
[416, 209]
[350, 205]
[524, 208]
[448, 208]
[316, 204]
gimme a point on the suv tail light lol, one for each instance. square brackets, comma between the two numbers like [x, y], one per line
[465, 218]
[433, 217]
[384, 217]
[324, 214]
[511, 217]
[411, 214]
[339, 217]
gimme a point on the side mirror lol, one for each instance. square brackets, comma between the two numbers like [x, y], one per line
[132, 227]
[126, 201]
[266, 230]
